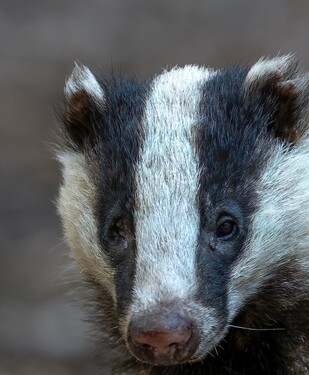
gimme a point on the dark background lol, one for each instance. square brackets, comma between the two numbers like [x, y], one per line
[41, 331]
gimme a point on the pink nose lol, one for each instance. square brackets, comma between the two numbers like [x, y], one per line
[163, 343]
[163, 337]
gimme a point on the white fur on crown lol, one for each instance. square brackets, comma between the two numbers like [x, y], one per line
[167, 177]
[280, 227]
[264, 68]
[75, 205]
[82, 79]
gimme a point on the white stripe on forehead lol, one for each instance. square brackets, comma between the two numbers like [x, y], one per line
[167, 176]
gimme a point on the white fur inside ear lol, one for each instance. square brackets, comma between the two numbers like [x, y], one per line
[82, 79]
[265, 68]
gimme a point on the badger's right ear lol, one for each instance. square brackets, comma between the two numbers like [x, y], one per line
[84, 106]
[285, 95]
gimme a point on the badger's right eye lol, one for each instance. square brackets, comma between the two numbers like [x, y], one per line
[226, 228]
[119, 231]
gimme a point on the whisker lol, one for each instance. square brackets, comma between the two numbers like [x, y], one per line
[111, 329]
[211, 354]
[118, 341]
[257, 329]
[56, 246]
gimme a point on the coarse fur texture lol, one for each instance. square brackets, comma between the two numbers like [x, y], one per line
[185, 198]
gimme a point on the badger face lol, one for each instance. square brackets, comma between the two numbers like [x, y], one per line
[163, 197]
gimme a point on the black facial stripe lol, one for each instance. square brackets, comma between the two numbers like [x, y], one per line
[118, 150]
[232, 144]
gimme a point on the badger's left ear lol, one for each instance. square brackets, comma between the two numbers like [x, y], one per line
[284, 94]
[84, 106]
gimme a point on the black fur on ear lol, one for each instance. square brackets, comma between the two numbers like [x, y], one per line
[84, 107]
[284, 95]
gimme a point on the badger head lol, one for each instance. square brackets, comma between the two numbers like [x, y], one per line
[180, 196]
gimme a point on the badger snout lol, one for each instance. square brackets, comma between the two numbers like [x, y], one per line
[165, 336]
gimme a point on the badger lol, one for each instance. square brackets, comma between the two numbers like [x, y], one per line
[185, 202]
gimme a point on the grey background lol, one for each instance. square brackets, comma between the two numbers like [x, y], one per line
[41, 331]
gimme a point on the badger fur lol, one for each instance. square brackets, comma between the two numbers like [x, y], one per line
[185, 202]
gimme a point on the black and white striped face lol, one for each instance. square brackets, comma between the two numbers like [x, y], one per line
[162, 190]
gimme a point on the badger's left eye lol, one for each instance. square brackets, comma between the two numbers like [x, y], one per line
[118, 229]
[226, 228]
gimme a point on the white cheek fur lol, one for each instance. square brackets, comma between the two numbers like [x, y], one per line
[75, 205]
[279, 232]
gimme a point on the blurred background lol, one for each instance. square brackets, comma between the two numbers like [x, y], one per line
[41, 330]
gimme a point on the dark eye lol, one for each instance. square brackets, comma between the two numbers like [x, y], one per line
[119, 231]
[226, 228]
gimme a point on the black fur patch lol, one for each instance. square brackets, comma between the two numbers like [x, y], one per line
[117, 150]
[233, 143]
